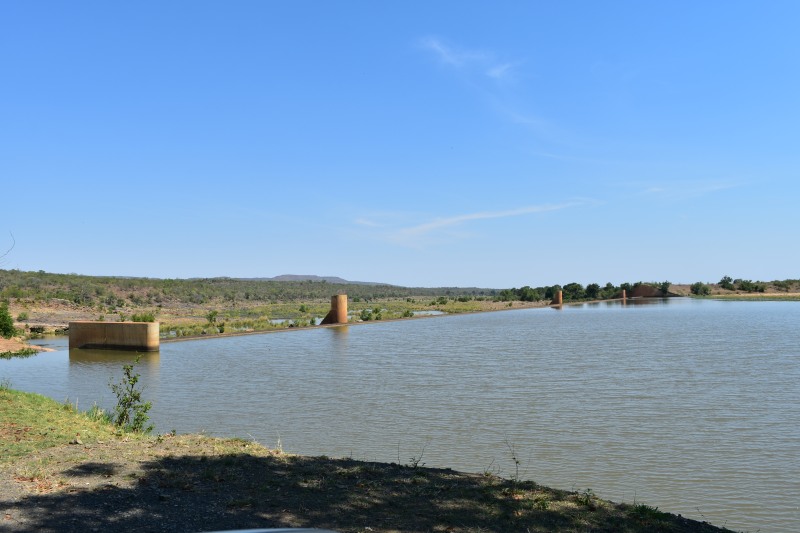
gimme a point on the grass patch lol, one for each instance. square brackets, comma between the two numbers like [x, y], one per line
[31, 422]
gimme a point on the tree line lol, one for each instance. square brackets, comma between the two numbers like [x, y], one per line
[745, 285]
[575, 292]
[113, 292]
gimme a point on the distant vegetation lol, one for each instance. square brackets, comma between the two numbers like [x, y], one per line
[194, 307]
[727, 283]
[112, 292]
[575, 292]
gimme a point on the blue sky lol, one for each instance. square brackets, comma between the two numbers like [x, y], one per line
[415, 143]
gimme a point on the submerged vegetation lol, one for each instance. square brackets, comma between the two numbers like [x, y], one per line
[24, 352]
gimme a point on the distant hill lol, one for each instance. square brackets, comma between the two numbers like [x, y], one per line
[311, 277]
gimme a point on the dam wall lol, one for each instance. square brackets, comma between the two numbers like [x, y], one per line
[140, 336]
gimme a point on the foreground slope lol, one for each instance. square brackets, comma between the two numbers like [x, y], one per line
[63, 471]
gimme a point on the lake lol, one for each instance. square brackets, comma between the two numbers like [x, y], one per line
[691, 406]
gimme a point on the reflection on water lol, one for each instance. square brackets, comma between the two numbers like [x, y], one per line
[113, 357]
[60, 342]
[687, 405]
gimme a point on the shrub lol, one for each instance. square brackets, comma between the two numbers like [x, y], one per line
[700, 289]
[750, 286]
[7, 329]
[143, 317]
[727, 283]
[664, 287]
[130, 412]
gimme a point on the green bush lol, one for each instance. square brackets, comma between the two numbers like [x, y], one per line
[130, 413]
[7, 328]
[750, 286]
[700, 289]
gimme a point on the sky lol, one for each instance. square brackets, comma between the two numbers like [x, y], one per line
[472, 144]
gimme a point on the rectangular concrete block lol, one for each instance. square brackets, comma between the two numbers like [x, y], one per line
[140, 336]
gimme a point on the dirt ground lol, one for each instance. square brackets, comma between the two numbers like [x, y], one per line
[195, 483]
[16, 344]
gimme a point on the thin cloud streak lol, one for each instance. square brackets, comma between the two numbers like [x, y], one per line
[465, 58]
[439, 223]
[500, 72]
[450, 55]
[687, 190]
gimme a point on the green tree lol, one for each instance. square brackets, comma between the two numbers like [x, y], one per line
[664, 287]
[727, 283]
[700, 289]
[592, 291]
[574, 291]
[7, 329]
[609, 291]
[550, 292]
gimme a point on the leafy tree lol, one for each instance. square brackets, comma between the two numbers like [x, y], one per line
[550, 292]
[727, 283]
[700, 289]
[7, 329]
[609, 291]
[664, 287]
[592, 291]
[211, 316]
[574, 291]
[751, 286]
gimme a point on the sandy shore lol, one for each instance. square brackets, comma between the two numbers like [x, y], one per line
[16, 344]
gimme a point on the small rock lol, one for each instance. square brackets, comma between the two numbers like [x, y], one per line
[77, 439]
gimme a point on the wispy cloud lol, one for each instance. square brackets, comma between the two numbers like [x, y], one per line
[453, 227]
[483, 62]
[440, 223]
[687, 189]
[367, 222]
[501, 71]
[449, 54]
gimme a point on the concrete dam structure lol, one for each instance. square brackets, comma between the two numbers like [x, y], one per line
[139, 336]
[338, 312]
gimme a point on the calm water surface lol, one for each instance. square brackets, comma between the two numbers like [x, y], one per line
[691, 406]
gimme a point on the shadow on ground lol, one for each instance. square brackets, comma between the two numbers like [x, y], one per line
[238, 491]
